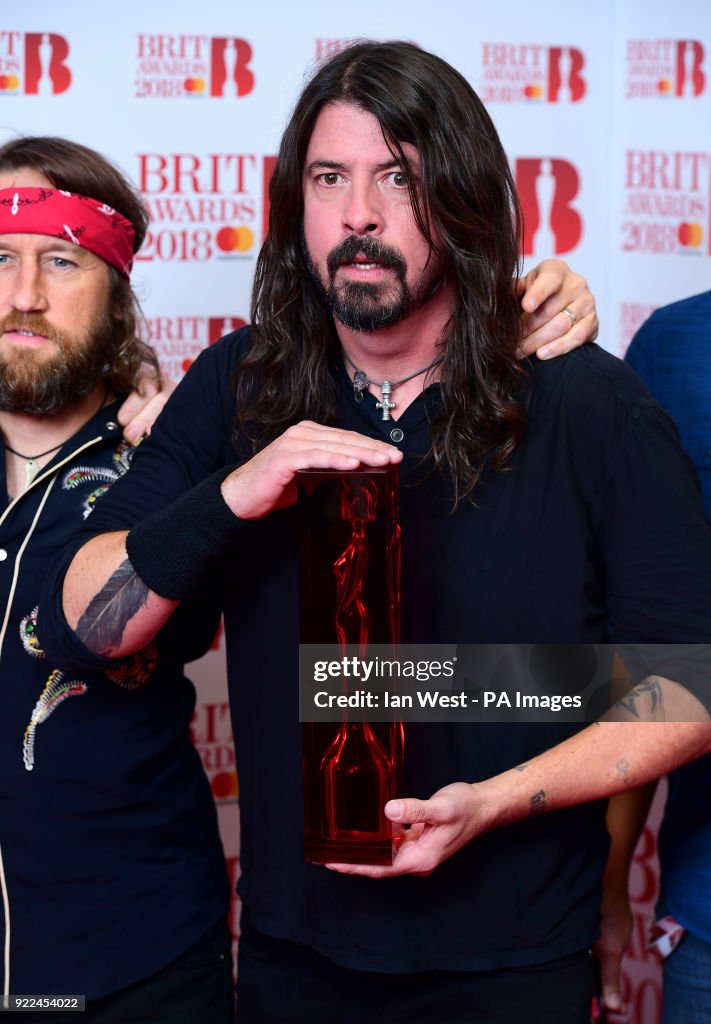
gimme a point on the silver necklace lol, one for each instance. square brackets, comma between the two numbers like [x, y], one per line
[361, 382]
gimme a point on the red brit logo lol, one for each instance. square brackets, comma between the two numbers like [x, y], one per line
[219, 326]
[179, 340]
[33, 63]
[203, 206]
[231, 74]
[665, 68]
[667, 204]
[547, 189]
[193, 66]
[529, 72]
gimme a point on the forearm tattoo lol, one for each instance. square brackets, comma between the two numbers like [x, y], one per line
[636, 700]
[102, 625]
[538, 802]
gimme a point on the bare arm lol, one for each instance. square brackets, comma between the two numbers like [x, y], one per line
[626, 815]
[660, 727]
[111, 608]
[105, 601]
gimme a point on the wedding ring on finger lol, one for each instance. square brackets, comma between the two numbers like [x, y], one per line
[571, 314]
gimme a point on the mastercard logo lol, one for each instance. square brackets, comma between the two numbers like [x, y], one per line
[690, 234]
[239, 239]
[664, 86]
[196, 85]
[533, 92]
[225, 786]
[9, 83]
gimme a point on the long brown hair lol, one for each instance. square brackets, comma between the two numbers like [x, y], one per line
[465, 206]
[76, 168]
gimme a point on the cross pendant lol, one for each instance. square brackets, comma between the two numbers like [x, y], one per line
[386, 405]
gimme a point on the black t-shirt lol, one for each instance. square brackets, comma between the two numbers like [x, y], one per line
[594, 534]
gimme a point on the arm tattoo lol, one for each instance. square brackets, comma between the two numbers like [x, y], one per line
[521, 767]
[650, 687]
[102, 625]
[538, 802]
[623, 769]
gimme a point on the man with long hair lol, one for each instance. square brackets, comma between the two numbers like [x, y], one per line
[112, 875]
[385, 331]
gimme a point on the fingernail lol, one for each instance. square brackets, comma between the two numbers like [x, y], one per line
[393, 808]
[544, 353]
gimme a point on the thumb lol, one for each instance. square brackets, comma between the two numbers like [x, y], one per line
[610, 983]
[411, 811]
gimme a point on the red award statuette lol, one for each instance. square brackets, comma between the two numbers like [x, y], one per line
[349, 550]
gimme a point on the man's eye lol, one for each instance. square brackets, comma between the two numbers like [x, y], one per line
[61, 262]
[399, 179]
[329, 178]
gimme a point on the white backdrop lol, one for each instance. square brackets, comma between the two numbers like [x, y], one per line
[604, 110]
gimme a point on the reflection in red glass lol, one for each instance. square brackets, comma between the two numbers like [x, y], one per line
[350, 562]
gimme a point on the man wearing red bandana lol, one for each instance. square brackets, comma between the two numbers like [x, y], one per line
[112, 873]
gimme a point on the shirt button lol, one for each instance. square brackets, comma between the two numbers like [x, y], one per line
[396, 435]
[111, 425]
[3, 554]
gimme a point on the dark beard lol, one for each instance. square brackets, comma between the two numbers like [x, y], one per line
[43, 387]
[358, 305]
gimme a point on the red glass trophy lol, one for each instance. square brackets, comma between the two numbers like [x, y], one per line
[350, 597]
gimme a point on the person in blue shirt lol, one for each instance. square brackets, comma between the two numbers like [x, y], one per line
[672, 354]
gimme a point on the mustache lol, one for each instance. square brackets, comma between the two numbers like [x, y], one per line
[34, 322]
[371, 248]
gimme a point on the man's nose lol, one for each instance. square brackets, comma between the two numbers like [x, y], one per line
[363, 214]
[27, 294]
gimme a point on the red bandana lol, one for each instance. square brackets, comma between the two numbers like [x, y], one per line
[85, 222]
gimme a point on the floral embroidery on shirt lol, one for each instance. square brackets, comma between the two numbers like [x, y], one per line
[103, 475]
[129, 676]
[56, 690]
[28, 634]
